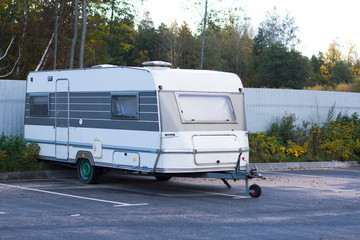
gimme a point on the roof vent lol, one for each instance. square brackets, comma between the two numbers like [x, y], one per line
[104, 66]
[156, 64]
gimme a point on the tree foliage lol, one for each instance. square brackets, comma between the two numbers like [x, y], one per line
[276, 29]
[280, 67]
[265, 58]
[336, 69]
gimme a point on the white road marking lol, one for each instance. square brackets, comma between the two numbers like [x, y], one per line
[312, 176]
[1, 213]
[197, 191]
[75, 196]
[132, 205]
[75, 215]
[219, 194]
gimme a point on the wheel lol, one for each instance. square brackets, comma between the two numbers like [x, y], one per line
[257, 191]
[162, 178]
[87, 173]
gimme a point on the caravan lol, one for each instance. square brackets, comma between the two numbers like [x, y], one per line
[148, 120]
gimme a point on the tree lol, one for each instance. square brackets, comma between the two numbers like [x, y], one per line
[203, 36]
[316, 62]
[330, 59]
[341, 73]
[280, 67]
[122, 41]
[74, 39]
[14, 18]
[119, 10]
[236, 47]
[83, 34]
[353, 61]
[161, 45]
[212, 49]
[188, 57]
[16, 62]
[55, 31]
[146, 39]
[208, 11]
[276, 29]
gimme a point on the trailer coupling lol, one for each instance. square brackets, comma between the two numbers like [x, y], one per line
[254, 190]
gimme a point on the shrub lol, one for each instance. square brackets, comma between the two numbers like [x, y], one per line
[343, 87]
[342, 136]
[265, 148]
[315, 88]
[335, 140]
[17, 155]
[356, 85]
[284, 128]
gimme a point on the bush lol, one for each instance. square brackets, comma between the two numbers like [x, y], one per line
[341, 137]
[265, 148]
[17, 155]
[356, 85]
[284, 142]
[284, 128]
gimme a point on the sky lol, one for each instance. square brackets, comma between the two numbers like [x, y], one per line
[320, 22]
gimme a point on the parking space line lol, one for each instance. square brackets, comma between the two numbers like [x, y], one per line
[116, 204]
[198, 191]
[218, 194]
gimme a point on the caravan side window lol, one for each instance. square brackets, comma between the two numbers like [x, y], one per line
[125, 106]
[39, 105]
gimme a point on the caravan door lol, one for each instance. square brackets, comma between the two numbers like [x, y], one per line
[62, 121]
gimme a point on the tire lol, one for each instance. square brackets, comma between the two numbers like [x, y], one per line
[87, 173]
[257, 191]
[162, 178]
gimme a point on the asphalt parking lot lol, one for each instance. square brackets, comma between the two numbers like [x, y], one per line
[295, 204]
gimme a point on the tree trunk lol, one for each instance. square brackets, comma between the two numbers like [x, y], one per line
[203, 38]
[26, 10]
[110, 30]
[56, 33]
[45, 53]
[73, 44]
[83, 35]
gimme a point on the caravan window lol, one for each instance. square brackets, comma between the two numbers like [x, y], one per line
[205, 108]
[125, 106]
[39, 105]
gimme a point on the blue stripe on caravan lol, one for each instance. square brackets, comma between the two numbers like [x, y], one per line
[131, 149]
[39, 141]
[88, 145]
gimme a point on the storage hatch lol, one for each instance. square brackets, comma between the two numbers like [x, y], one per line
[216, 149]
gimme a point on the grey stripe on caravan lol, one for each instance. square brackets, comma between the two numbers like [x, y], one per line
[93, 100]
[102, 115]
[96, 123]
[117, 124]
[92, 94]
[96, 107]
[89, 146]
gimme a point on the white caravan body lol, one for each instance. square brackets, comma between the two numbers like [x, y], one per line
[150, 119]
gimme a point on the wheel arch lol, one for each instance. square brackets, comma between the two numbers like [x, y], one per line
[84, 155]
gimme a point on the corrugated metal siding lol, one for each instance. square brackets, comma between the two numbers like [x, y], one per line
[12, 106]
[266, 105]
[262, 106]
